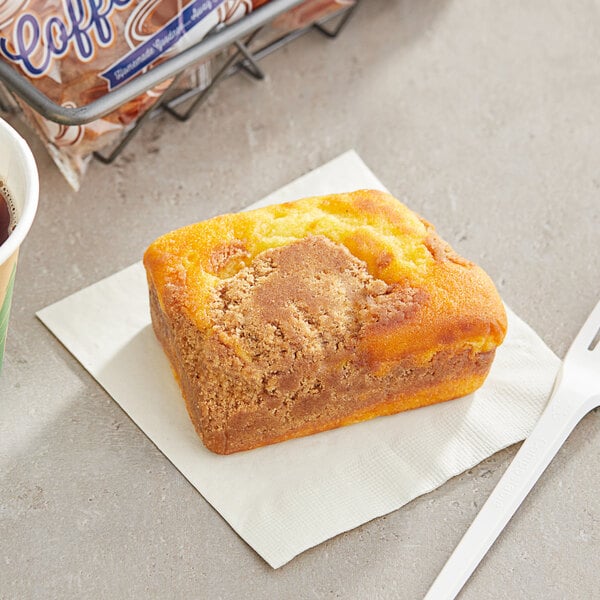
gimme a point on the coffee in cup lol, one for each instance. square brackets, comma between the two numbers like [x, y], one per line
[8, 213]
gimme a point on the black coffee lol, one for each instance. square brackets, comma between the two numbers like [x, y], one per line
[7, 213]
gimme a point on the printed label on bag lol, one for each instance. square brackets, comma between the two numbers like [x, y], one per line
[164, 39]
[82, 27]
[85, 26]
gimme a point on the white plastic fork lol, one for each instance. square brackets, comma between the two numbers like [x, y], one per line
[576, 391]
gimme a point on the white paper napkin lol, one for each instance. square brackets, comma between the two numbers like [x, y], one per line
[286, 498]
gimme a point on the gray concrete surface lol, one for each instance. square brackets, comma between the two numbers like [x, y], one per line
[485, 118]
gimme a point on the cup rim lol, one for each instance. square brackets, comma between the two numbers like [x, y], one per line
[26, 216]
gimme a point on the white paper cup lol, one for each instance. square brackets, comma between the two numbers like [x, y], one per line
[19, 174]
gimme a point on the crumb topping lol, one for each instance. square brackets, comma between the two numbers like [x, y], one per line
[291, 322]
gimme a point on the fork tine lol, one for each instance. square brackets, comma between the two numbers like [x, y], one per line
[595, 341]
[587, 338]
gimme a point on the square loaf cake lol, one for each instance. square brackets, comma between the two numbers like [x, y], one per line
[296, 318]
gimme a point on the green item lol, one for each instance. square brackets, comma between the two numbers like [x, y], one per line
[5, 312]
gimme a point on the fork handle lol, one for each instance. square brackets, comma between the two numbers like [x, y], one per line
[564, 410]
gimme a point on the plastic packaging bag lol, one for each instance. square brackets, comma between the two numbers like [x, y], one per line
[75, 51]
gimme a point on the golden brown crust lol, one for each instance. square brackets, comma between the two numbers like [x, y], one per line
[302, 317]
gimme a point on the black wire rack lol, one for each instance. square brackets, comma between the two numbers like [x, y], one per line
[243, 56]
